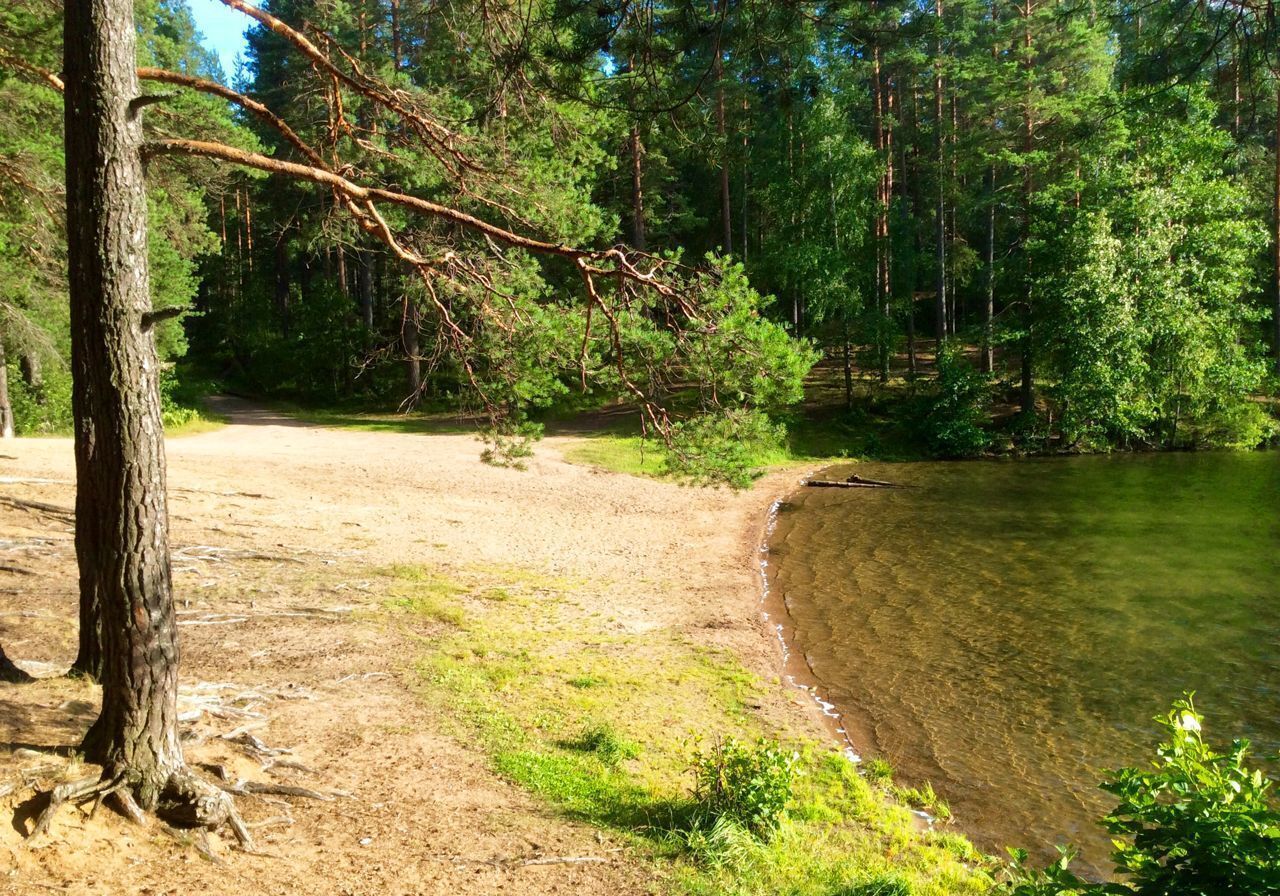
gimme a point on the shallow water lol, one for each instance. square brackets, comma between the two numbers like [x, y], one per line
[1007, 630]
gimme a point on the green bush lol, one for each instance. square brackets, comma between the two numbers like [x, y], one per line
[1197, 823]
[747, 785]
[1240, 425]
[956, 414]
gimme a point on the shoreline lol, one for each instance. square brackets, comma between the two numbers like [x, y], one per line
[795, 668]
[853, 736]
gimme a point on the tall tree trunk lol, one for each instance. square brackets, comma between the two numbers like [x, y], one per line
[847, 360]
[940, 209]
[6, 409]
[726, 216]
[880, 143]
[638, 239]
[396, 43]
[1028, 396]
[1275, 247]
[122, 537]
[30, 368]
[906, 190]
[366, 291]
[989, 307]
[282, 282]
[412, 350]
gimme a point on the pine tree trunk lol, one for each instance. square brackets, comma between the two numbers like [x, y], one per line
[366, 291]
[940, 210]
[989, 308]
[638, 236]
[880, 143]
[282, 283]
[847, 363]
[412, 350]
[122, 539]
[6, 409]
[396, 43]
[1275, 248]
[726, 212]
[1028, 396]
[30, 368]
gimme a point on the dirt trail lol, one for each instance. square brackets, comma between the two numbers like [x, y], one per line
[268, 517]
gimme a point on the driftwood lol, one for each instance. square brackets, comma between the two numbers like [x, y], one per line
[854, 481]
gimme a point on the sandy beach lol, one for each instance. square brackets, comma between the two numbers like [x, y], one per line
[274, 527]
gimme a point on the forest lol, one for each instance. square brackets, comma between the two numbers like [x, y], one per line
[257, 317]
[991, 226]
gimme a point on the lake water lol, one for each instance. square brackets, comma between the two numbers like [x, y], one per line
[1007, 630]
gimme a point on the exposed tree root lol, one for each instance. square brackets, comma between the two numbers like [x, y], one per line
[73, 791]
[186, 801]
[61, 514]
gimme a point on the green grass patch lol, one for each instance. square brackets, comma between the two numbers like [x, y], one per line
[620, 454]
[378, 421]
[416, 591]
[604, 725]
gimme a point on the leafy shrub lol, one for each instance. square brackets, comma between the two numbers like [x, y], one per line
[954, 423]
[43, 409]
[1197, 823]
[748, 785]
[1242, 424]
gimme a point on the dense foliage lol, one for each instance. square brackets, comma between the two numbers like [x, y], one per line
[1197, 823]
[1040, 224]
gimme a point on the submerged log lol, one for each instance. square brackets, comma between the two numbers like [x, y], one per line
[854, 481]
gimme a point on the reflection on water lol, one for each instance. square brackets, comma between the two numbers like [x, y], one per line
[1007, 630]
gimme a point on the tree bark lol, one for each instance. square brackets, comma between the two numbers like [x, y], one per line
[396, 44]
[366, 290]
[989, 307]
[940, 210]
[1275, 247]
[638, 236]
[6, 409]
[282, 283]
[1028, 396]
[881, 143]
[726, 216]
[122, 538]
[412, 350]
[31, 369]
